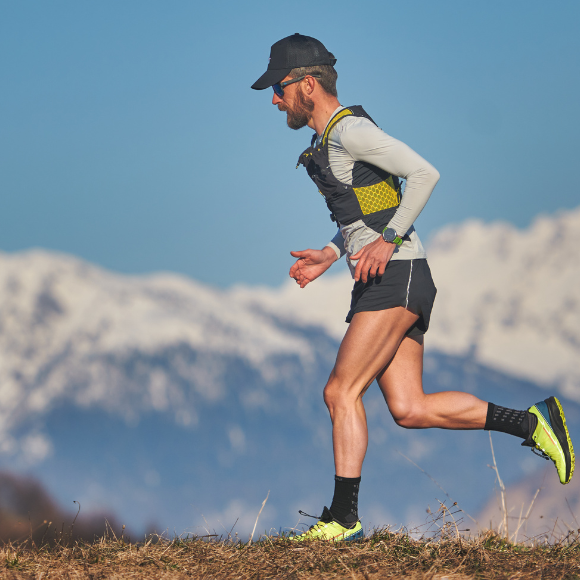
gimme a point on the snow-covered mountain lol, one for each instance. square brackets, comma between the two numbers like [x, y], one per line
[512, 298]
[72, 331]
[152, 394]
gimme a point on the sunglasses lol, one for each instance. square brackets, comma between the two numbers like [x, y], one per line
[279, 87]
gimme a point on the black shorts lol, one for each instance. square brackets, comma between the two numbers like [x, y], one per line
[406, 283]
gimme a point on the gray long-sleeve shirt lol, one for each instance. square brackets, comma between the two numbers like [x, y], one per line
[358, 139]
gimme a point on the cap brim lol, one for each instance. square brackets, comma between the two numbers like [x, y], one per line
[270, 77]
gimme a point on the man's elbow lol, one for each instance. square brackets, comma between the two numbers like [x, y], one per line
[425, 177]
[434, 176]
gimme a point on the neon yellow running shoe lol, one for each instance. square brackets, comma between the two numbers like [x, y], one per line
[551, 437]
[330, 530]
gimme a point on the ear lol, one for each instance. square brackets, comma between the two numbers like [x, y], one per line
[310, 85]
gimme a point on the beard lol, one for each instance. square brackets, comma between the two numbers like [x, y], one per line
[300, 114]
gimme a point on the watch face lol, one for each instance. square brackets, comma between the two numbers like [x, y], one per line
[389, 235]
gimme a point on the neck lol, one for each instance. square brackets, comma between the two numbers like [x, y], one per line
[322, 112]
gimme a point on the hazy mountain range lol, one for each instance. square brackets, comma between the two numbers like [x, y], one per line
[163, 399]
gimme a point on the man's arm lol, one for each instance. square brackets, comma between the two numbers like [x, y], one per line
[366, 142]
[363, 141]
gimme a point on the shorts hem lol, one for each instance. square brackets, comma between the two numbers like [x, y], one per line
[414, 330]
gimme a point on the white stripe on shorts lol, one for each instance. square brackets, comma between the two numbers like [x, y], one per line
[409, 284]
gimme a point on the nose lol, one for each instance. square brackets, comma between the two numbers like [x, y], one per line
[276, 100]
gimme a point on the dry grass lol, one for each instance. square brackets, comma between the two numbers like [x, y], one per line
[382, 555]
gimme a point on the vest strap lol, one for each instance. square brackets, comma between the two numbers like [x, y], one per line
[340, 115]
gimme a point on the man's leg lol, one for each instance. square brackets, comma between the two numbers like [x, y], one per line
[543, 426]
[370, 342]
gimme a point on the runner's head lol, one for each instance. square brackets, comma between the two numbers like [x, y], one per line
[298, 66]
[299, 55]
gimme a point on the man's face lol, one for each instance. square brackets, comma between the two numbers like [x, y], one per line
[297, 105]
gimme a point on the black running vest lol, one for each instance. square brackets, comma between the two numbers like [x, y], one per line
[374, 194]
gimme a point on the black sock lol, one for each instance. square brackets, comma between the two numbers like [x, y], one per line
[344, 505]
[518, 423]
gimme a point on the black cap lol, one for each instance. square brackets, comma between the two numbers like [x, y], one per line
[293, 52]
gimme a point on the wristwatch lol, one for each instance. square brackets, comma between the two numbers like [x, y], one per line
[390, 235]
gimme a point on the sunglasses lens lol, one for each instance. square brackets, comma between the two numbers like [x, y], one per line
[278, 90]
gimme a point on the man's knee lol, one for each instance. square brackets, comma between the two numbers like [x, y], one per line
[407, 414]
[337, 394]
[332, 395]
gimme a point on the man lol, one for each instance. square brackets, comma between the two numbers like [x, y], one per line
[357, 167]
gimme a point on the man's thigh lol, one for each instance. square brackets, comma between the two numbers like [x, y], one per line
[369, 344]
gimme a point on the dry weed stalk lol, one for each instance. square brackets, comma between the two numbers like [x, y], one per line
[258, 517]
[439, 486]
[502, 492]
[525, 519]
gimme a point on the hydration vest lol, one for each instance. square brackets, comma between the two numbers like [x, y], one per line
[374, 194]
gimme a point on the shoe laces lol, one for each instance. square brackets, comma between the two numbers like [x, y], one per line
[308, 515]
[322, 520]
[540, 453]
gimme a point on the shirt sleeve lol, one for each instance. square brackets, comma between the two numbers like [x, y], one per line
[337, 244]
[366, 142]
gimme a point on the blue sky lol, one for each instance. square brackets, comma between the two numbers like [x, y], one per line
[129, 135]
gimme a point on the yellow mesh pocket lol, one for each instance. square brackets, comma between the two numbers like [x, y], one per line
[374, 198]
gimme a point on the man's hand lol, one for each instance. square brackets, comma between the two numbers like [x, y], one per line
[373, 259]
[311, 264]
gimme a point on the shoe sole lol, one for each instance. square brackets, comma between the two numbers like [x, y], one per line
[560, 429]
[356, 537]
